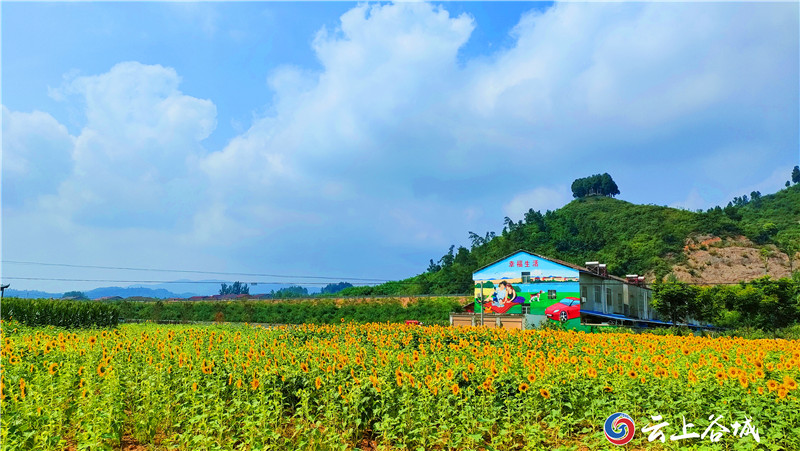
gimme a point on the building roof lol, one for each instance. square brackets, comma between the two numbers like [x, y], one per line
[554, 260]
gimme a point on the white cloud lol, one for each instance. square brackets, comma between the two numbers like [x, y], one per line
[392, 114]
[36, 155]
[540, 199]
[136, 158]
[693, 201]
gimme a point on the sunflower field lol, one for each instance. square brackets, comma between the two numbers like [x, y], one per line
[389, 386]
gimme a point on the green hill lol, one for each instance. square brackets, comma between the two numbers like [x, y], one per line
[629, 238]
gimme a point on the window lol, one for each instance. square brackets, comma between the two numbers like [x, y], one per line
[526, 277]
[598, 293]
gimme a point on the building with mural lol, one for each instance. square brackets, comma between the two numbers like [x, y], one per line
[525, 289]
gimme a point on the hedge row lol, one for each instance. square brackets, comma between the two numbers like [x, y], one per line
[317, 311]
[62, 313]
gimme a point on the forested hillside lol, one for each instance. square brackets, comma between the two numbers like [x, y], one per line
[629, 238]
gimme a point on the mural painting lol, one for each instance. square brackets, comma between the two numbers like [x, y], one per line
[522, 279]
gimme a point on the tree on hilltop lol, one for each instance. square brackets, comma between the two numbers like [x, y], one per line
[595, 185]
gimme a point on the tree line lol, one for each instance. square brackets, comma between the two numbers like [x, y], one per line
[300, 311]
[763, 303]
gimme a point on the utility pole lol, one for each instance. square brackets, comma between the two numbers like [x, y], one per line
[3, 290]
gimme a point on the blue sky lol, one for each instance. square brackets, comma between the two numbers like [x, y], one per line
[361, 140]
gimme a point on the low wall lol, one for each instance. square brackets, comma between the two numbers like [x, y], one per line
[489, 320]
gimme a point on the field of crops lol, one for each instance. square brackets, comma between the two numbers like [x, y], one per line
[386, 386]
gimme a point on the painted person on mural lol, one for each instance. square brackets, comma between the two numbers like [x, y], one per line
[499, 297]
[511, 293]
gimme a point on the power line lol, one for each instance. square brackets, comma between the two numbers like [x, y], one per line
[124, 268]
[398, 282]
[168, 281]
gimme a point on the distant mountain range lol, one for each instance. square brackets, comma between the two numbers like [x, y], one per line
[178, 289]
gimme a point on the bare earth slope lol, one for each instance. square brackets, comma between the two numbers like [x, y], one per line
[713, 260]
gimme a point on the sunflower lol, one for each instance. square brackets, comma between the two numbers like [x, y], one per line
[772, 385]
[22, 388]
[591, 372]
[743, 381]
[92, 340]
[523, 387]
[304, 367]
[455, 389]
[194, 386]
[782, 392]
[102, 369]
[52, 368]
[238, 383]
[545, 394]
[632, 374]
[789, 383]
[255, 383]
[608, 389]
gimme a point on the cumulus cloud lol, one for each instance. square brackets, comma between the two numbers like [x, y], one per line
[135, 160]
[540, 199]
[393, 116]
[37, 155]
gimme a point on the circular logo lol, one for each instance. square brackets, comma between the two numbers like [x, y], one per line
[619, 428]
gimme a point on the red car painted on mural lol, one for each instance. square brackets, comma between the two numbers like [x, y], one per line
[564, 310]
